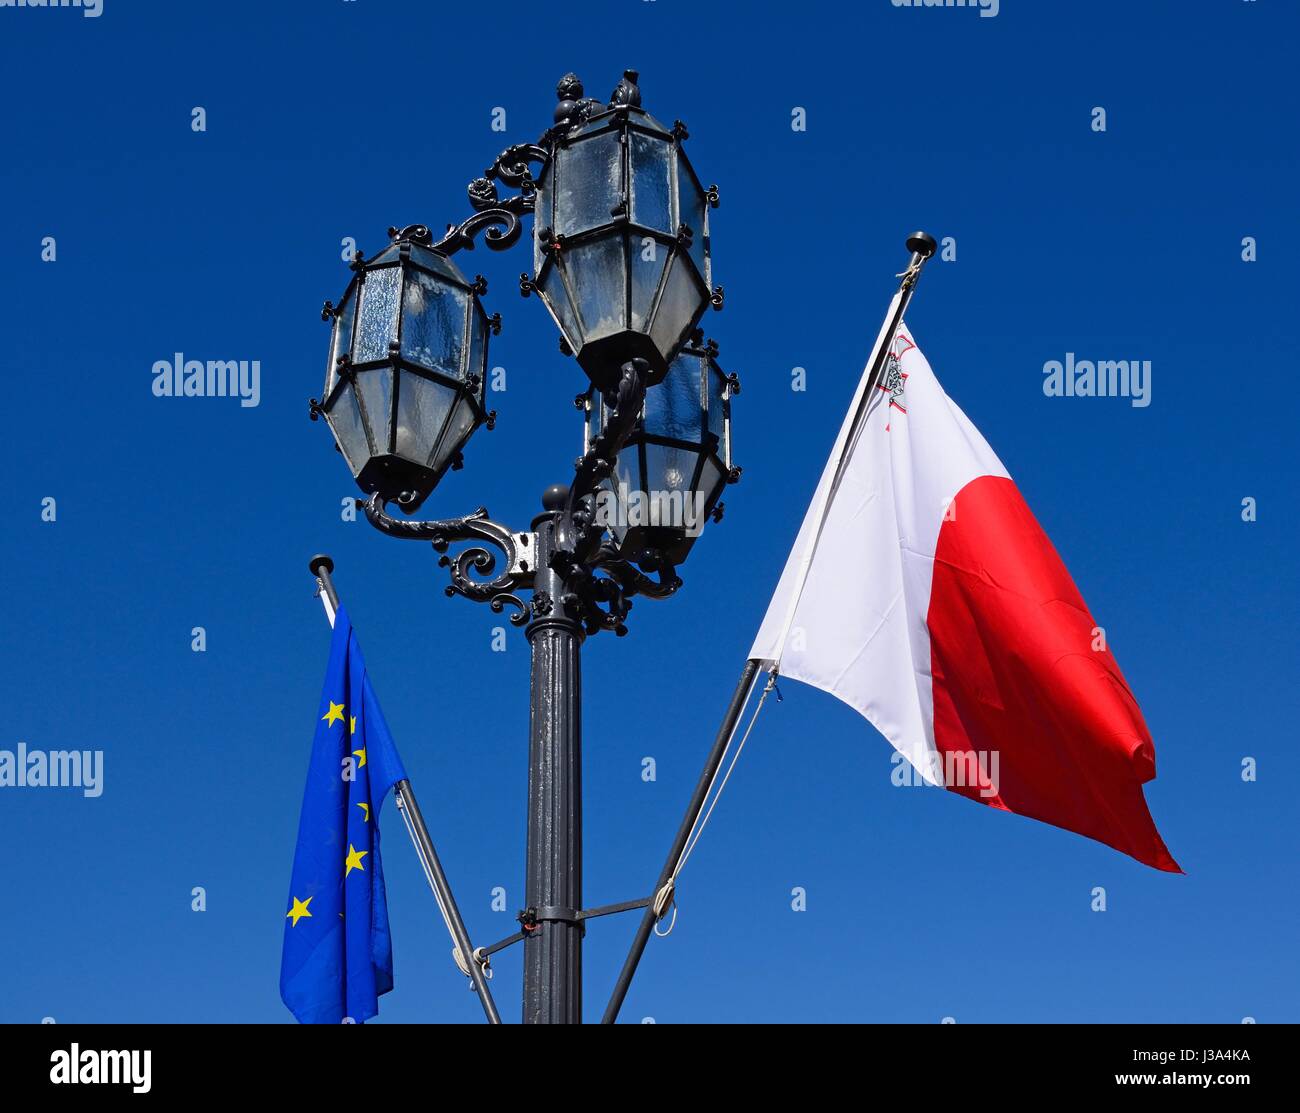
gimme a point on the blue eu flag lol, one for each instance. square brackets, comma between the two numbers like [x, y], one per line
[338, 955]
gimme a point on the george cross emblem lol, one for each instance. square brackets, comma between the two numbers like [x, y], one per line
[894, 384]
[894, 380]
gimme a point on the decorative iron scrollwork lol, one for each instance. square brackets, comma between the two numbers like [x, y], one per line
[499, 602]
[513, 165]
[635, 582]
[503, 228]
[600, 591]
[499, 215]
[468, 565]
[623, 402]
[414, 233]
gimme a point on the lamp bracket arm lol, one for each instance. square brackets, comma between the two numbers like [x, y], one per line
[599, 601]
[517, 552]
[624, 400]
[501, 222]
[635, 582]
[500, 216]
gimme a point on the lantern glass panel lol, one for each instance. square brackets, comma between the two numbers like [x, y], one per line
[457, 432]
[589, 177]
[596, 270]
[646, 264]
[341, 342]
[378, 324]
[556, 293]
[433, 323]
[477, 347]
[652, 185]
[376, 389]
[710, 484]
[626, 472]
[717, 384]
[673, 408]
[694, 210]
[677, 307]
[422, 408]
[645, 120]
[591, 420]
[345, 422]
[669, 472]
[542, 213]
[432, 261]
[390, 254]
[596, 123]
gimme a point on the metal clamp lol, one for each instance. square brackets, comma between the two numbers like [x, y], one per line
[530, 919]
[558, 914]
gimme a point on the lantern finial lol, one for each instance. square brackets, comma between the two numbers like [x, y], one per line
[627, 94]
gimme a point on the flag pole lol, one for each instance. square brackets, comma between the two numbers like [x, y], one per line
[922, 247]
[657, 908]
[321, 567]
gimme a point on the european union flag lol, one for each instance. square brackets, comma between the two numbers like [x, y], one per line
[338, 955]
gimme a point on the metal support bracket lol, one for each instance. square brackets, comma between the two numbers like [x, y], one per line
[530, 919]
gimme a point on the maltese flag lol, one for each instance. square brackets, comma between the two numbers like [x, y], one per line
[922, 592]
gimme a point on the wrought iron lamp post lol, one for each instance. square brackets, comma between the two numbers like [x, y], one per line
[623, 263]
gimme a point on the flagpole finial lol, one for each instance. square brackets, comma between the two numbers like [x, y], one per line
[922, 244]
[321, 567]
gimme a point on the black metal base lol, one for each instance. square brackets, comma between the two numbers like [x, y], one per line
[603, 359]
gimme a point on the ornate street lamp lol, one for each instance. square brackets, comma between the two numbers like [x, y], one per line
[674, 464]
[405, 382]
[623, 254]
[621, 244]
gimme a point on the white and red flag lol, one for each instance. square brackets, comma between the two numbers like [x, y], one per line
[922, 592]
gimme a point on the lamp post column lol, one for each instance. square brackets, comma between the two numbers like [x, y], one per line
[553, 888]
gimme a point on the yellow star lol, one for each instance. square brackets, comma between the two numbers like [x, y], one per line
[361, 753]
[354, 725]
[299, 910]
[365, 808]
[334, 714]
[354, 859]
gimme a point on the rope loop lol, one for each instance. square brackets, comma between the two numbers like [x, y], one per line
[666, 897]
[671, 924]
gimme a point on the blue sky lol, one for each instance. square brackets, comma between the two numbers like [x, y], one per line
[333, 119]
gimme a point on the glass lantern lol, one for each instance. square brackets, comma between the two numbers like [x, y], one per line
[621, 242]
[405, 384]
[672, 468]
